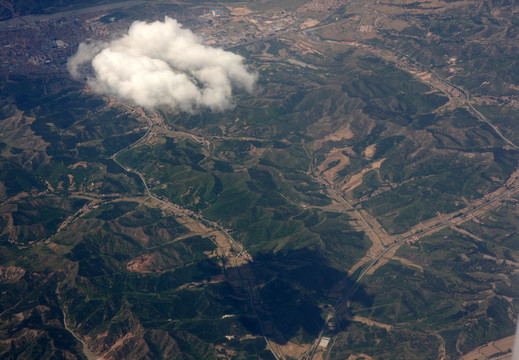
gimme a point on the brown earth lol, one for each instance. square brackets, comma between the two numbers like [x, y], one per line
[371, 322]
[489, 350]
[240, 11]
[356, 180]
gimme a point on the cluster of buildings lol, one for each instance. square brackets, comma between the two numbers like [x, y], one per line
[42, 44]
[229, 27]
[30, 47]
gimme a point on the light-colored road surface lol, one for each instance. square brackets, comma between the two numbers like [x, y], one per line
[86, 351]
[511, 189]
[238, 260]
[385, 248]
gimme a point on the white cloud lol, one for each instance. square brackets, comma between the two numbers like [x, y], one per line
[162, 64]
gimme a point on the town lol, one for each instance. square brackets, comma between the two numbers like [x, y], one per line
[43, 43]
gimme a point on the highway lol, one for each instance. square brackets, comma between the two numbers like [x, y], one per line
[460, 214]
[239, 248]
[464, 212]
[248, 286]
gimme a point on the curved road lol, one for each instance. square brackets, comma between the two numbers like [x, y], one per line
[464, 212]
[249, 288]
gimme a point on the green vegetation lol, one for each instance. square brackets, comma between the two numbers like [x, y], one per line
[498, 229]
[79, 236]
[423, 293]
[381, 343]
